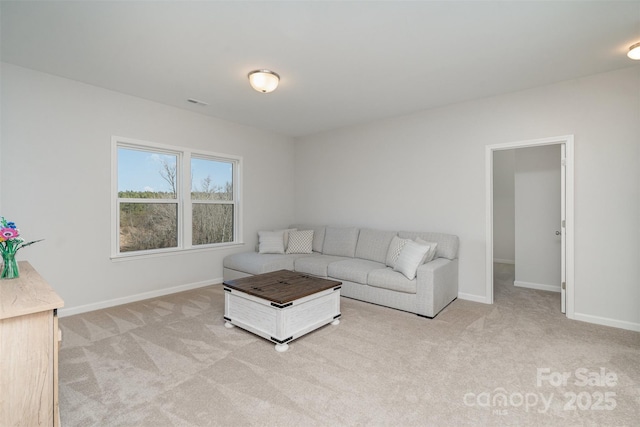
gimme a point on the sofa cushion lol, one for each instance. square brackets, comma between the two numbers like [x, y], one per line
[395, 247]
[271, 242]
[340, 241]
[318, 235]
[316, 265]
[257, 263]
[353, 270]
[447, 243]
[300, 242]
[374, 244]
[411, 256]
[389, 279]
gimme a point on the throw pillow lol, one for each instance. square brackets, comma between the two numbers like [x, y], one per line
[393, 252]
[410, 258]
[433, 246]
[300, 242]
[271, 242]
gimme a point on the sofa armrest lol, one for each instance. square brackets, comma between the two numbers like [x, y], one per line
[437, 285]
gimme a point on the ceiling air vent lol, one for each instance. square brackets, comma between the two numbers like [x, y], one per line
[197, 102]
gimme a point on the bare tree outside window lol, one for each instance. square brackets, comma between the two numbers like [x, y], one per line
[168, 173]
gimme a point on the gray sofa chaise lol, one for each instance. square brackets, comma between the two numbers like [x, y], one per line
[363, 260]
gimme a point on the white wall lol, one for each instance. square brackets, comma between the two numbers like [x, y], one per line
[537, 217]
[504, 206]
[426, 172]
[56, 177]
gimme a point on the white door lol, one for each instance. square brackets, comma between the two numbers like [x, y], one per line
[563, 233]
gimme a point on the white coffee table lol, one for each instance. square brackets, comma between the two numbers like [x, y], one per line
[282, 305]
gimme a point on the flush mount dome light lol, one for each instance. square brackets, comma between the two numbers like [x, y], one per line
[264, 81]
[634, 51]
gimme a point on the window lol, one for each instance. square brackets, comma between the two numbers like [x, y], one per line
[212, 215]
[171, 198]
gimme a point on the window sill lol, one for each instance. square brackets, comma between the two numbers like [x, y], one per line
[171, 252]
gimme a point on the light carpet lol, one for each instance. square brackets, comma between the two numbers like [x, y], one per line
[170, 361]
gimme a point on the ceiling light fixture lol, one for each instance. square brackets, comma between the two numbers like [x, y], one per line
[264, 81]
[634, 51]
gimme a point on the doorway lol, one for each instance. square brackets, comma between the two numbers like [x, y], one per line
[565, 218]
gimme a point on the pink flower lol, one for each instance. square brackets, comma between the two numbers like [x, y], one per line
[8, 233]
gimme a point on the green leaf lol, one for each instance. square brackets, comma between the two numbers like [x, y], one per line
[30, 243]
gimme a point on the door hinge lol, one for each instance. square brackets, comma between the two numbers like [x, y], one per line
[563, 162]
[564, 286]
[564, 223]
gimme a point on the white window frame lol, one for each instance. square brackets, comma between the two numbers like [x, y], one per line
[183, 198]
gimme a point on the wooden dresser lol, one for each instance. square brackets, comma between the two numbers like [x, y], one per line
[29, 340]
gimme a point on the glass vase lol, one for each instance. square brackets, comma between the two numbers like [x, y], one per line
[9, 267]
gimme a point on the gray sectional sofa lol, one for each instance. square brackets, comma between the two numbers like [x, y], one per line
[360, 259]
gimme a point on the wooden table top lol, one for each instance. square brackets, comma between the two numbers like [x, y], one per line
[27, 294]
[281, 286]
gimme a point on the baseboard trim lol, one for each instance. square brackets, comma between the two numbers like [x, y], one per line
[64, 312]
[474, 298]
[503, 261]
[605, 321]
[538, 286]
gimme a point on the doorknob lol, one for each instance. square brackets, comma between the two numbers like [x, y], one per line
[558, 233]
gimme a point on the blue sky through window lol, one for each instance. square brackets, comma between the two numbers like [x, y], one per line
[219, 172]
[141, 171]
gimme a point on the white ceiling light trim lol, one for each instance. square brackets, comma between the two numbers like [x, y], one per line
[264, 81]
[634, 51]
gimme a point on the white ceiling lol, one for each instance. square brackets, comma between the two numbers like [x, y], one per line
[341, 63]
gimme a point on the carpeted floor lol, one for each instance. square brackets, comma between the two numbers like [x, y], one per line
[170, 361]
